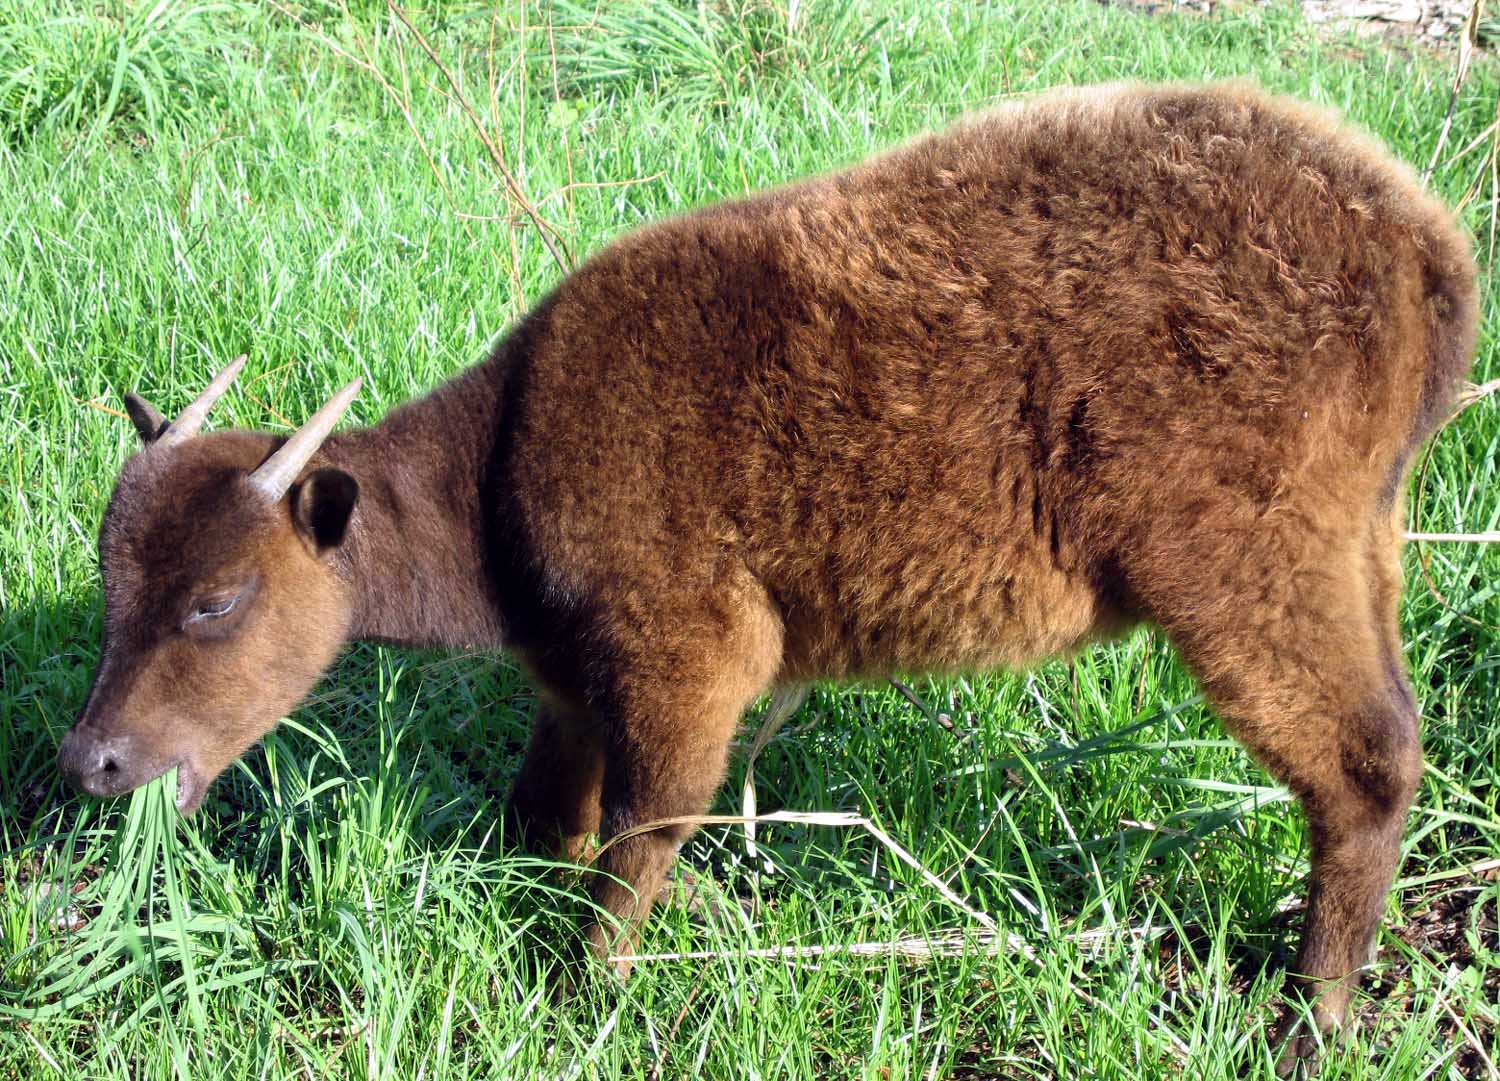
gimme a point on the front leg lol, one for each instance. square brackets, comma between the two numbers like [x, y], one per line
[674, 705]
[554, 804]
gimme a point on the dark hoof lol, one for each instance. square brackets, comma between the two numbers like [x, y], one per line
[1301, 1046]
[1300, 1052]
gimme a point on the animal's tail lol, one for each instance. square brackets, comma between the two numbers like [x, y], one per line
[1452, 316]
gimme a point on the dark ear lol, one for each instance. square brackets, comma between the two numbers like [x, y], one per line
[321, 506]
[148, 422]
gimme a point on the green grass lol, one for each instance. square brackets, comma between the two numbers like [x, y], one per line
[179, 187]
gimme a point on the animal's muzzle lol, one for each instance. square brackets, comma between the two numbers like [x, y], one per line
[102, 765]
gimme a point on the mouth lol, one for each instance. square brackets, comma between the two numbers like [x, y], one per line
[192, 786]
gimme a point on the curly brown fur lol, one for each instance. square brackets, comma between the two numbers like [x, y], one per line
[1111, 355]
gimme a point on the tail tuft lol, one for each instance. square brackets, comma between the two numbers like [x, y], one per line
[1452, 329]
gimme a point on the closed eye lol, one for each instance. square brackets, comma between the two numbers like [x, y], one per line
[219, 610]
[213, 609]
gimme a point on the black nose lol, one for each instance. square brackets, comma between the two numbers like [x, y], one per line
[100, 766]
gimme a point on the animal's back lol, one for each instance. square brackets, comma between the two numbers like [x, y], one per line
[933, 401]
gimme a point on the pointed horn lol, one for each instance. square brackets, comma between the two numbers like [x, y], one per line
[275, 475]
[191, 419]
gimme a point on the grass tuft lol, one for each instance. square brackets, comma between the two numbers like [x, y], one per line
[713, 53]
[82, 68]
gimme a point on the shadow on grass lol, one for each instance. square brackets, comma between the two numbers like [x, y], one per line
[47, 656]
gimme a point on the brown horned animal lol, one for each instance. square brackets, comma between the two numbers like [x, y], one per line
[1115, 355]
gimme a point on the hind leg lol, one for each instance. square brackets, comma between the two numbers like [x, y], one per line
[1302, 661]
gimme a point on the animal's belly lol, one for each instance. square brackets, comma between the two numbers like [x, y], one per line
[949, 618]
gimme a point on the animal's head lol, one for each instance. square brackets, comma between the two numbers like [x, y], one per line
[223, 601]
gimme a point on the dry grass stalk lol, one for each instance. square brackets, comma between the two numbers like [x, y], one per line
[837, 820]
[1469, 1038]
[1467, 43]
[955, 943]
[917, 947]
[549, 233]
[400, 97]
[785, 702]
[942, 721]
[1477, 869]
[362, 55]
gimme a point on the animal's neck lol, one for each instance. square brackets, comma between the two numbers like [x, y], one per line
[416, 555]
